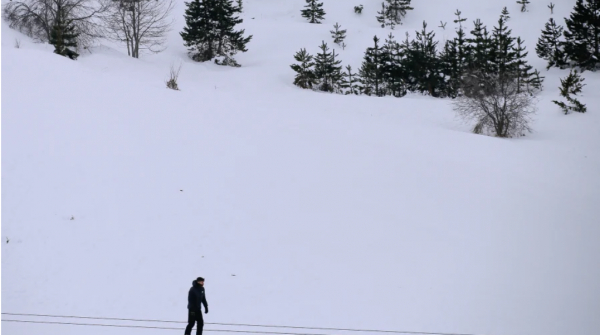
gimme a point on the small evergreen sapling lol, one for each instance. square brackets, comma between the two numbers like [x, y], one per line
[305, 76]
[338, 34]
[459, 20]
[571, 85]
[523, 4]
[443, 25]
[505, 14]
[314, 11]
[551, 6]
[349, 81]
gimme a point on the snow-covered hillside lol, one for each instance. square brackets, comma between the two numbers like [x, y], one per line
[299, 208]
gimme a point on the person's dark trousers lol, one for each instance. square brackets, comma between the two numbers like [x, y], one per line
[194, 317]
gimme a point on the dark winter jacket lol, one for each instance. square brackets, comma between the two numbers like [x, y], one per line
[196, 298]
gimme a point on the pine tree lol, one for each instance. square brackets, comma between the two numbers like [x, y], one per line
[522, 69]
[349, 82]
[483, 54]
[63, 36]
[382, 16]
[551, 6]
[336, 73]
[504, 55]
[450, 69]
[230, 41]
[582, 34]
[209, 31]
[425, 64]
[327, 69]
[549, 46]
[314, 11]
[305, 76]
[370, 72]
[523, 4]
[338, 34]
[392, 57]
[571, 85]
[396, 10]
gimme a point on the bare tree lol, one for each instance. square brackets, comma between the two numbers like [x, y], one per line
[140, 24]
[496, 104]
[37, 17]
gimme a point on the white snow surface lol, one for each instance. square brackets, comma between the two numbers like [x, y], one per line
[299, 208]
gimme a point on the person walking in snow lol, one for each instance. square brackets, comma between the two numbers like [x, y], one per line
[196, 298]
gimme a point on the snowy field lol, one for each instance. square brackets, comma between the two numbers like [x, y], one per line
[299, 208]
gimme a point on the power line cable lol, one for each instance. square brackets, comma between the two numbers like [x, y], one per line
[241, 324]
[152, 327]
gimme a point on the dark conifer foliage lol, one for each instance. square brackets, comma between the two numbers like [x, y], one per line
[349, 82]
[392, 13]
[482, 50]
[582, 35]
[64, 37]
[305, 76]
[338, 34]
[397, 9]
[210, 31]
[523, 4]
[504, 55]
[549, 45]
[327, 69]
[371, 70]
[416, 65]
[313, 11]
[571, 86]
[393, 71]
[424, 64]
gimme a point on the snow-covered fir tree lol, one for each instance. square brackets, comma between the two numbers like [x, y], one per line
[482, 50]
[382, 17]
[64, 37]
[305, 75]
[210, 31]
[549, 45]
[338, 34]
[582, 35]
[392, 73]
[504, 54]
[313, 11]
[397, 9]
[327, 69]
[424, 64]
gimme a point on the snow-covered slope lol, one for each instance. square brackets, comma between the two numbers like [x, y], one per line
[299, 208]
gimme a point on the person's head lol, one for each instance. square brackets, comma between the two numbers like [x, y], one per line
[200, 281]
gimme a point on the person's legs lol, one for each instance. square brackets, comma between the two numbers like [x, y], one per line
[199, 323]
[191, 321]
